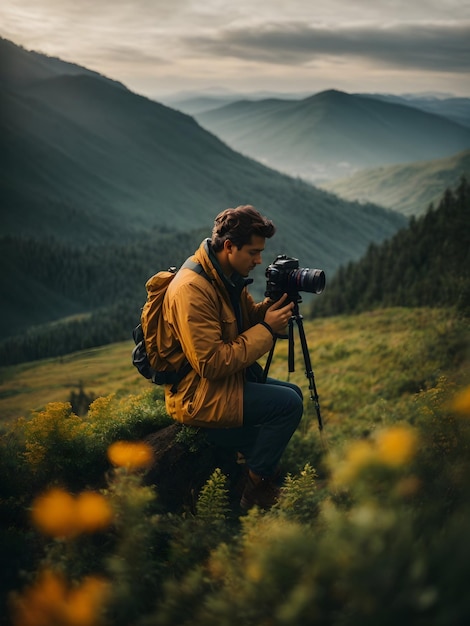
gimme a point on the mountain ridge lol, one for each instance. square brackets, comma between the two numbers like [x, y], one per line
[332, 133]
[21, 67]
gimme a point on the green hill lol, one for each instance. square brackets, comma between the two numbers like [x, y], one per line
[332, 134]
[408, 188]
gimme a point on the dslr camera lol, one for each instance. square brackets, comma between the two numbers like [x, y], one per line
[285, 276]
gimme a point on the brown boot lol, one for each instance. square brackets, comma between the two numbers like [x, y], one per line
[262, 492]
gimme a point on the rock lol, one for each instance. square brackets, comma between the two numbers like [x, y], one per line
[184, 461]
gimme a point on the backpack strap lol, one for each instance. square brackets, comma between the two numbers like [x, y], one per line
[187, 367]
[195, 267]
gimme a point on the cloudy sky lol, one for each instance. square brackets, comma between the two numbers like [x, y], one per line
[156, 47]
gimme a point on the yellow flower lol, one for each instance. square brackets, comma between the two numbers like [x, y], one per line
[461, 403]
[58, 514]
[358, 455]
[396, 445]
[42, 603]
[93, 512]
[50, 601]
[54, 513]
[131, 455]
[83, 603]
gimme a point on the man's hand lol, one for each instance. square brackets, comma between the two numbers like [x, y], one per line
[279, 314]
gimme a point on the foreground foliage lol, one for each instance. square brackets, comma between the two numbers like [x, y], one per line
[382, 538]
[371, 527]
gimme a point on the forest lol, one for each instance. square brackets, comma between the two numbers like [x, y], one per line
[424, 264]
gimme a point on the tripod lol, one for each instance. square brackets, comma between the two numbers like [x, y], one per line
[297, 317]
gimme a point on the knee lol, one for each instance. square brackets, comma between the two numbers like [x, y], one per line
[297, 403]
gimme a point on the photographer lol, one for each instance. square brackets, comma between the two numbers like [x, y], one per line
[212, 322]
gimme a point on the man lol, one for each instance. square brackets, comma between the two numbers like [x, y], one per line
[211, 321]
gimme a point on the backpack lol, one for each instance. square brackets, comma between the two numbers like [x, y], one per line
[145, 334]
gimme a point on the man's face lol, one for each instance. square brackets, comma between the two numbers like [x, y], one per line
[246, 258]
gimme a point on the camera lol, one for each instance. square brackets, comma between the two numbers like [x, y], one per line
[285, 276]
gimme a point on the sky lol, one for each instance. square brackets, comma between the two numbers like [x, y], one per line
[159, 47]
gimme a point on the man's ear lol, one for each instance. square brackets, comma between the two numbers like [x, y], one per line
[228, 245]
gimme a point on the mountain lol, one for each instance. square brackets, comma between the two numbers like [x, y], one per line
[20, 67]
[454, 108]
[408, 188]
[197, 102]
[87, 162]
[96, 180]
[333, 134]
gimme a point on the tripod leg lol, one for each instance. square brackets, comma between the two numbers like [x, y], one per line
[290, 355]
[268, 360]
[309, 371]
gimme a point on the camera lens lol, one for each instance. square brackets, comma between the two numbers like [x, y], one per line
[305, 279]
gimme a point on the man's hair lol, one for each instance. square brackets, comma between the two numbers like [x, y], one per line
[239, 225]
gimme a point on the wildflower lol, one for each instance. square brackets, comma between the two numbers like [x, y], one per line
[93, 512]
[83, 603]
[131, 455]
[461, 402]
[54, 514]
[396, 445]
[358, 455]
[50, 600]
[59, 514]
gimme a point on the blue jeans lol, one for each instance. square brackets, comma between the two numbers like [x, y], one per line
[271, 413]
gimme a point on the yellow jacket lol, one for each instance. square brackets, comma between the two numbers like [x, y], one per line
[199, 325]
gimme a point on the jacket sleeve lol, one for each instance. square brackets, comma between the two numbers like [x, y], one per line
[255, 311]
[209, 340]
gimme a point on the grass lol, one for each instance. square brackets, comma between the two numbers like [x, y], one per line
[101, 371]
[367, 367]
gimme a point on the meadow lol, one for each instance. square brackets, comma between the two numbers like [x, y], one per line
[358, 361]
[371, 527]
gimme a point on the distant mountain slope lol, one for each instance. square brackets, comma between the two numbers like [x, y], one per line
[332, 134]
[199, 102]
[408, 188]
[456, 109]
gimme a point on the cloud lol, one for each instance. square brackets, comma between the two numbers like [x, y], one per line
[433, 46]
[153, 45]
